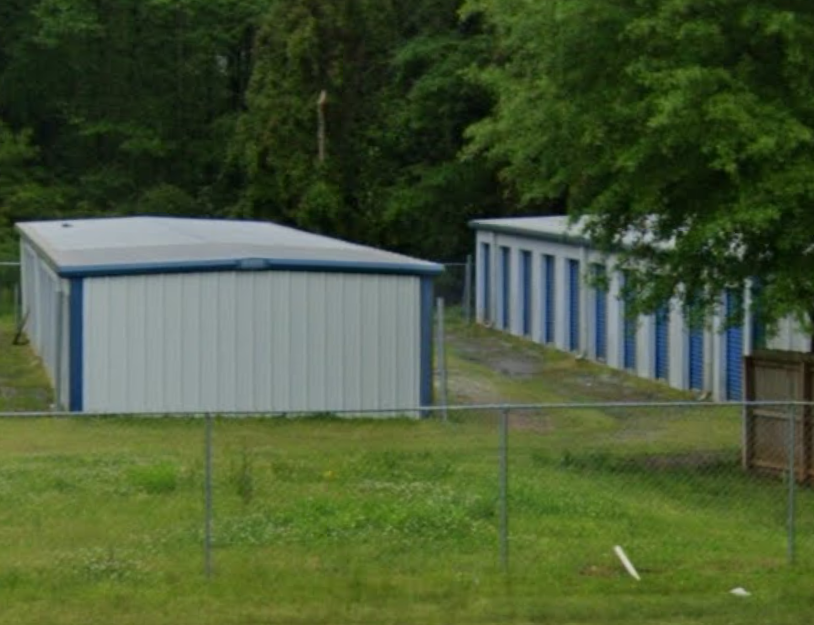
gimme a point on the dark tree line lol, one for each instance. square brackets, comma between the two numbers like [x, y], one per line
[210, 108]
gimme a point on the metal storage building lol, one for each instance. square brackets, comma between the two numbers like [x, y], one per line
[550, 300]
[150, 314]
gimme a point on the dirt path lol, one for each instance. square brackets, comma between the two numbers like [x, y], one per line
[487, 366]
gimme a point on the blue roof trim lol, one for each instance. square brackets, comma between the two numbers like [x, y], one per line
[426, 342]
[75, 342]
[249, 264]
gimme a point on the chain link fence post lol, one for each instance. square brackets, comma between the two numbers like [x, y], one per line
[503, 491]
[791, 417]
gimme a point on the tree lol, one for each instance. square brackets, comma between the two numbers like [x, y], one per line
[24, 191]
[397, 102]
[683, 130]
[131, 97]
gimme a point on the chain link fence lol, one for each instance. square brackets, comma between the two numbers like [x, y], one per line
[540, 492]
[456, 287]
[9, 287]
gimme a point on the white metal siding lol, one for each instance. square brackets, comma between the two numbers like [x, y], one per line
[44, 305]
[251, 341]
[789, 336]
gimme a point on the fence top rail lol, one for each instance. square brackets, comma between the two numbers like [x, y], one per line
[4, 263]
[420, 409]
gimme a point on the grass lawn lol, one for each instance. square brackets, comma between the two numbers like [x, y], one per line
[394, 521]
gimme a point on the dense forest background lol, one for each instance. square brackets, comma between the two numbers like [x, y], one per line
[212, 108]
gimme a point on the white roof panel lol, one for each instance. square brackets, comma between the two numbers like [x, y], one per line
[553, 226]
[126, 245]
[558, 228]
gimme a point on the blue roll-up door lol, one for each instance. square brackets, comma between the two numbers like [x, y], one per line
[734, 348]
[662, 364]
[629, 345]
[505, 290]
[548, 303]
[696, 358]
[486, 280]
[630, 328]
[525, 271]
[573, 305]
[600, 315]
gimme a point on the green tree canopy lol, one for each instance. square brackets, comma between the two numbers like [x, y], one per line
[682, 129]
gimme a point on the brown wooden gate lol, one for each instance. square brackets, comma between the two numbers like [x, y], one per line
[774, 375]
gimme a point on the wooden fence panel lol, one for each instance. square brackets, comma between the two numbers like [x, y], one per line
[773, 375]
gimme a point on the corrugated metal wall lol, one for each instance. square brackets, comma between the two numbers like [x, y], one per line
[251, 341]
[687, 358]
[44, 296]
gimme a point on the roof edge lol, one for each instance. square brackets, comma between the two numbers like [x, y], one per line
[556, 237]
[249, 264]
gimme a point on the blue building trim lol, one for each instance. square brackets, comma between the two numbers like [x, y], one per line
[248, 264]
[75, 342]
[426, 342]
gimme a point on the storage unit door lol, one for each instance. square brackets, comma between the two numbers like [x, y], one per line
[662, 343]
[696, 358]
[629, 329]
[486, 281]
[525, 268]
[505, 277]
[734, 350]
[629, 345]
[573, 305]
[548, 263]
[601, 318]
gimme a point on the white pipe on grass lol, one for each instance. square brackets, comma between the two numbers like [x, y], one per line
[620, 553]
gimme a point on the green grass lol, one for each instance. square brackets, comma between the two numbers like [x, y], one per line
[395, 521]
[23, 383]
[329, 521]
